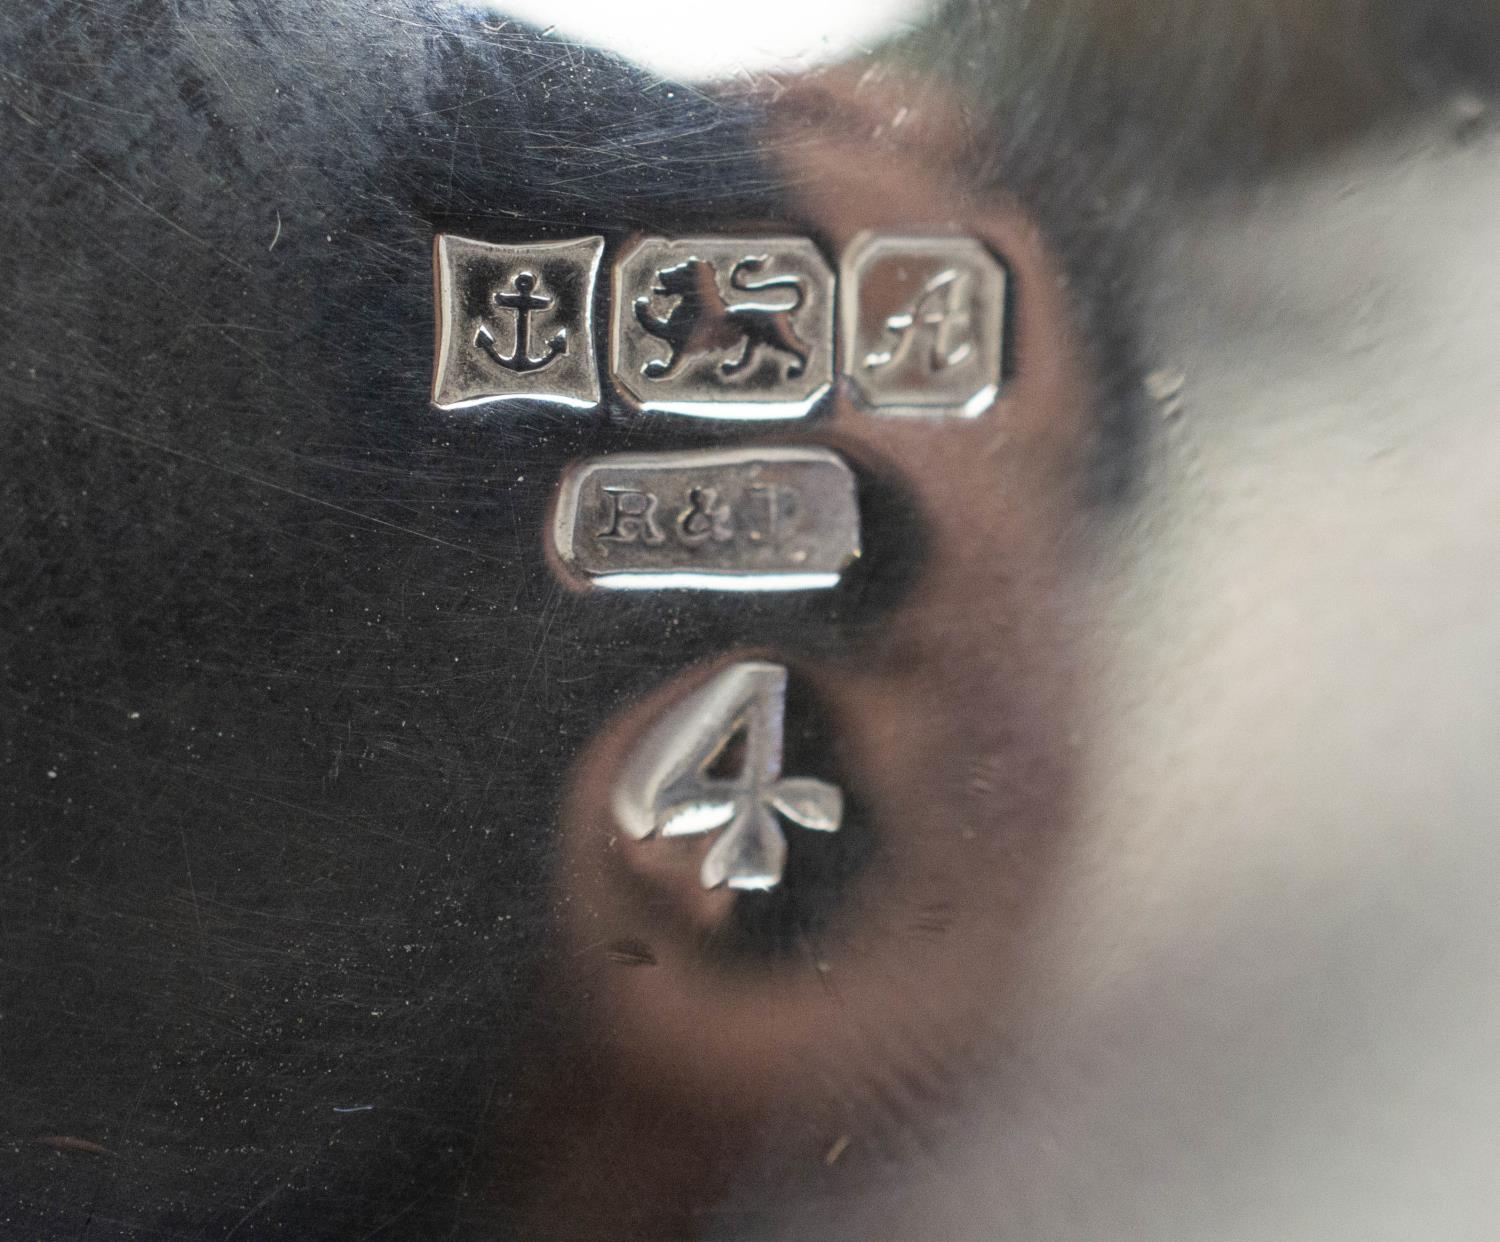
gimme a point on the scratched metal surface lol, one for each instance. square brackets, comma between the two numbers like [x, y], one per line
[302, 740]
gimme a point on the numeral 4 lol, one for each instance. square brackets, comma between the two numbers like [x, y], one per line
[675, 783]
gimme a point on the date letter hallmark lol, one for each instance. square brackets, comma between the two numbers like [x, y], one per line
[771, 519]
[922, 323]
[723, 327]
[515, 322]
[666, 789]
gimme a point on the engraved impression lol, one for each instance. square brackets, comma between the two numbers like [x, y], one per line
[666, 788]
[706, 517]
[631, 517]
[522, 300]
[701, 320]
[922, 323]
[940, 314]
[732, 520]
[723, 327]
[515, 322]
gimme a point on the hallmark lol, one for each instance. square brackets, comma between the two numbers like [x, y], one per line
[516, 322]
[922, 320]
[768, 519]
[723, 327]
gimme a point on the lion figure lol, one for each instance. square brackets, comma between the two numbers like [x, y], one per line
[702, 320]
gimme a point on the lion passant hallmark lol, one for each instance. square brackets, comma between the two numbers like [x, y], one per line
[723, 327]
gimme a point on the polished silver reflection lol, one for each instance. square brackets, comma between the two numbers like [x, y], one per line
[922, 323]
[723, 327]
[515, 322]
[666, 788]
[767, 519]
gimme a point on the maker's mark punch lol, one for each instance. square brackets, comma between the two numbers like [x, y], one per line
[779, 518]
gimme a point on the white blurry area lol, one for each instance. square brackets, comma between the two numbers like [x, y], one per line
[1265, 999]
[704, 40]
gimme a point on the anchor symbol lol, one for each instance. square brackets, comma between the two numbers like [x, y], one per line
[523, 301]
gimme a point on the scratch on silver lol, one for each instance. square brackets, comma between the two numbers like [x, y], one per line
[666, 790]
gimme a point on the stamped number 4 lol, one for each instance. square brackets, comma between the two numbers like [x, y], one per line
[713, 764]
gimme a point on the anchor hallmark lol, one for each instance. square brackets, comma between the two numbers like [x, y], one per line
[523, 301]
[495, 304]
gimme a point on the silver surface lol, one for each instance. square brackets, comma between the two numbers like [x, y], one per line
[921, 323]
[666, 787]
[1163, 701]
[515, 321]
[723, 327]
[758, 519]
